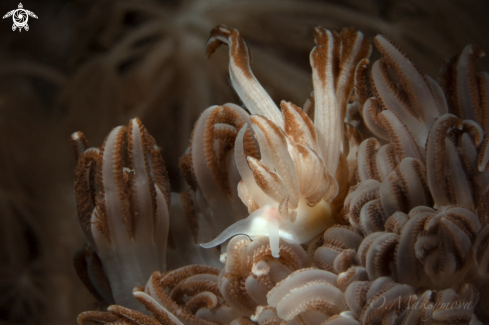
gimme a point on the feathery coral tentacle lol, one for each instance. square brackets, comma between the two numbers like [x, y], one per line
[244, 82]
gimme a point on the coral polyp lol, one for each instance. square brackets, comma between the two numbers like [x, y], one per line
[368, 205]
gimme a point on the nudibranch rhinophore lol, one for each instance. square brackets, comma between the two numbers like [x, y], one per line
[289, 188]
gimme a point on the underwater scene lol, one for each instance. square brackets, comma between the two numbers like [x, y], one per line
[240, 162]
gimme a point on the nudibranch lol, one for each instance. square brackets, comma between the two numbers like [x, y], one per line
[290, 188]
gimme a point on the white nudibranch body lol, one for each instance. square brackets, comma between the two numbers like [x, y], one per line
[289, 185]
[267, 221]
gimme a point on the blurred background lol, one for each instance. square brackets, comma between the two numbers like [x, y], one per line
[90, 65]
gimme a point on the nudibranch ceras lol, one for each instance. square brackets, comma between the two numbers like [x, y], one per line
[123, 196]
[290, 189]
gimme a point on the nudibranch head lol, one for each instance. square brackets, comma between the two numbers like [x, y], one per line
[289, 188]
[268, 221]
